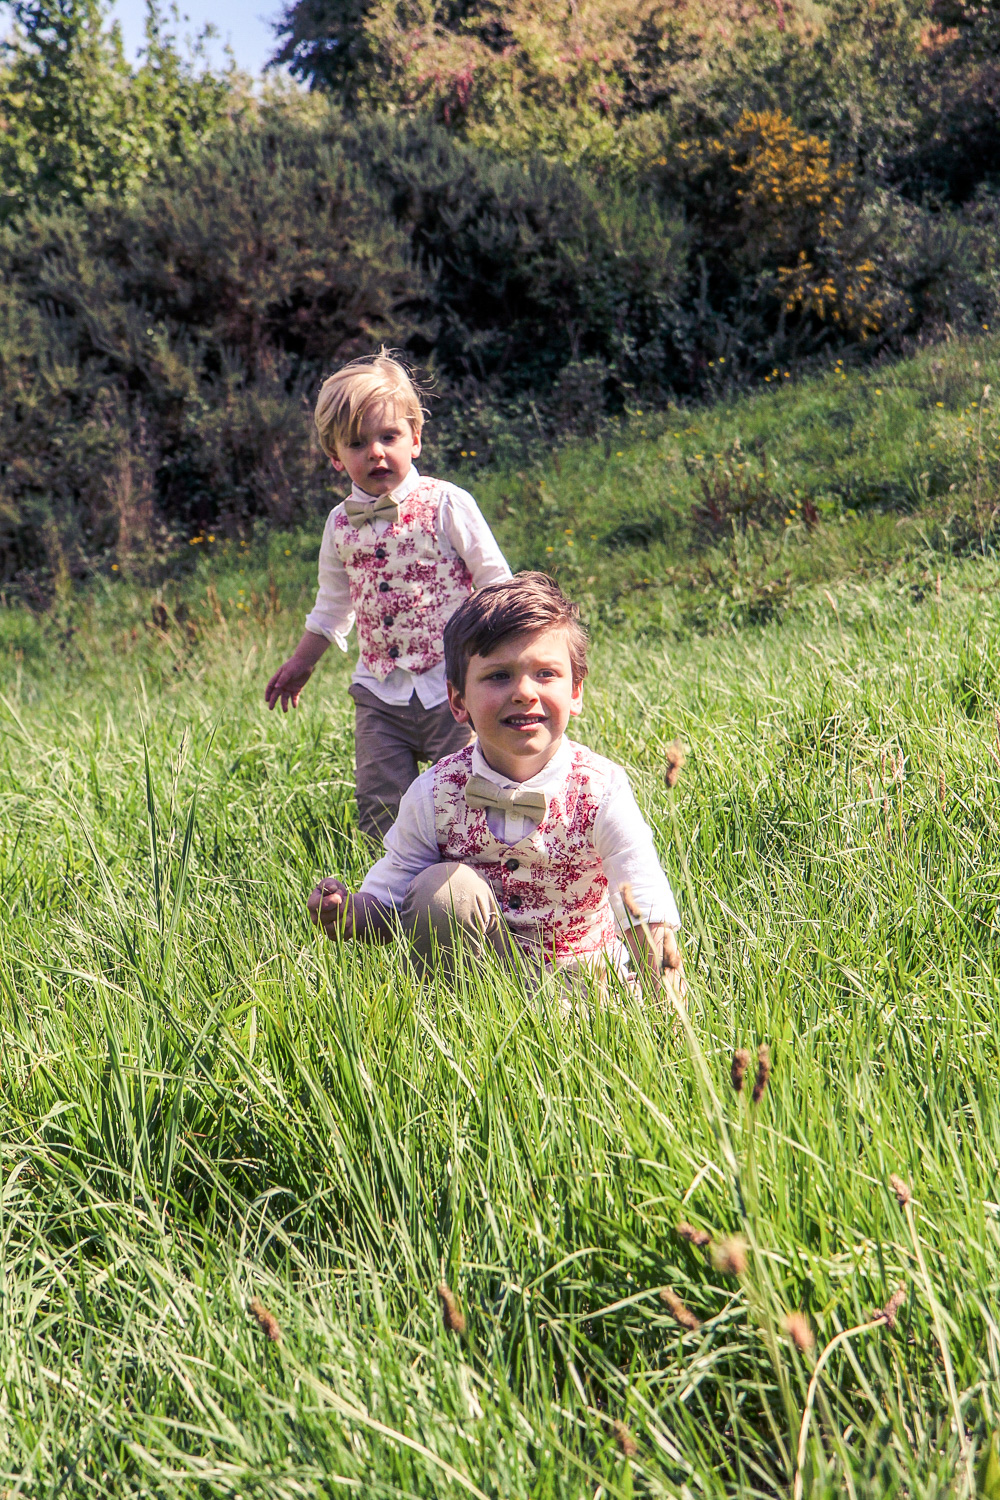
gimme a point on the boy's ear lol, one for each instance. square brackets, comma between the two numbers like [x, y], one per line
[417, 443]
[576, 702]
[456, 702]
[336, 464]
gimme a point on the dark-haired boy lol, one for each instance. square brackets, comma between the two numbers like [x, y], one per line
[524, 840]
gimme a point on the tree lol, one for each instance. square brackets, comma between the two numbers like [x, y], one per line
[76, 120]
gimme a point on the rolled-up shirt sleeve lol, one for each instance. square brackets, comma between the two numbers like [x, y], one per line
[624, 841]
[333, 614]
[410, 845]
[464, 524]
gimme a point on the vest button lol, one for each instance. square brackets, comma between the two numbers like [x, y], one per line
[514, 903]
[384, 587]
[393, 652]
[387, 619]
[381, 553]
[511, 864]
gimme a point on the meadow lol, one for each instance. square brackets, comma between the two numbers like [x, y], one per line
[237, 1161]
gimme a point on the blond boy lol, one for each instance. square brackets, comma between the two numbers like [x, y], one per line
[524, 842]
[398, 557]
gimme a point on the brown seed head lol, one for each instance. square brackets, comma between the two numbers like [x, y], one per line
[937, 585]
[697, 1237]
[891, 1308]
[683, 1315]
[625, 1440]
[628, 901]
[676, 756]
[730, 1256]
[267, 1321]
[797, 1327]
[763, 1072]
[942, 788]
[451, 1313]
[738, 1071]
[900, 1188]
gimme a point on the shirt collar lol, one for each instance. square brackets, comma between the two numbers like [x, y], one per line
[546, 778]
[405, 487]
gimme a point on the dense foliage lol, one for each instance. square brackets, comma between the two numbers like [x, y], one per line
[695, 198]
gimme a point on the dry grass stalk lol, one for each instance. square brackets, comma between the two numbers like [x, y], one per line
[683, 1315]
[738, 1071]
[676, 756]
[697, 1237]
[871, 787]
[266, 1319]
[451, 1313]
[797, 1327]
[937, 585]
[891, 1308]
[901, 1189]
[730, 1256]
[624, 1439]
[942, 788]
[763, 1072]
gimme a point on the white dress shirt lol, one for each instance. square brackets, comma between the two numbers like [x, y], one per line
[462, 530]
[622, 838]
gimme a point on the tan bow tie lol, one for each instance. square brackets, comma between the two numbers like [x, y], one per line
[519, 800]
[379, 508]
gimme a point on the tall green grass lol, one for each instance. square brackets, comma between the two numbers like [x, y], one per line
[203, 1103]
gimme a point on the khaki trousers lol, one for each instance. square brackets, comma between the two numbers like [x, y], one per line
[389, 740]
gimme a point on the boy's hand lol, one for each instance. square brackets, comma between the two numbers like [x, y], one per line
[287, 683]
[332, 906]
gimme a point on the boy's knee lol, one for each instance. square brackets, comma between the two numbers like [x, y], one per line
[447, 894]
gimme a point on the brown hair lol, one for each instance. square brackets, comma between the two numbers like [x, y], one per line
[345, 398]
[526, 603]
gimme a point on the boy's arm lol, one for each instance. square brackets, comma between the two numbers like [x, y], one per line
[329, 620]
[641, 895]
[410, 847]
[465, 527]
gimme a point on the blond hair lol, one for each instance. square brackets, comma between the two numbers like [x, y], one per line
[346, 398]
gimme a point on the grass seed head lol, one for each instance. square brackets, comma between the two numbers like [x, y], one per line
[628, 901]
[891, 1309]
[683, 1315]
[942, 788]
[451, 1313]
[901, 1189]
[796, 1325]
[625, 1440]
[738, 1071]
[730, 1256]
[676, 756]
[697, 1237]
[763, 1072]
[266, 1319]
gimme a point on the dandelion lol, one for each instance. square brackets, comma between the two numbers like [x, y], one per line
[697, 1237]
[901, 1189]
[681, 1314]
[738, 1070]
[763, 1072]
[730, 1256]
[891, 1308]
[451, 1313]
[626, 1442]
[267, 1321]
[676, 756]
[797, 1327]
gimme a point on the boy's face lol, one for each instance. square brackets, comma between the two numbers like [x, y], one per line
[380, 457]
[519, 700]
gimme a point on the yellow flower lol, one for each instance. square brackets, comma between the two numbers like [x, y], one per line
[619, 454]
[114, 567]
[550, 549]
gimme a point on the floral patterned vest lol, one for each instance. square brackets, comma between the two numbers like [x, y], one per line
[550, 886]
[404, 588]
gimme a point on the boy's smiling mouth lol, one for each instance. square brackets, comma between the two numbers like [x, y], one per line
[523, 721]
